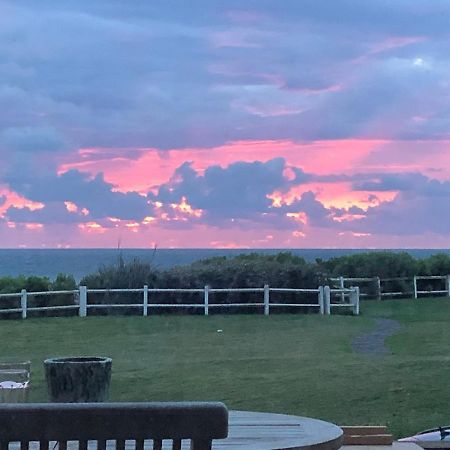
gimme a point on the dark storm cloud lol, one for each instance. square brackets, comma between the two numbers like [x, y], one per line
[408, 215]
[237, 191]
[318, 214]
[421, 206]
[94, 194]
[237, 195]
[52, 212]
[411, 183]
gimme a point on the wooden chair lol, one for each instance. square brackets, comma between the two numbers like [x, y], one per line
[51, 423]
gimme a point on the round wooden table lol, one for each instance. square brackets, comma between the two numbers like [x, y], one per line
[266, 431]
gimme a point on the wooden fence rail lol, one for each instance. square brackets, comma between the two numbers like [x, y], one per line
[323, 302]
[414, 281]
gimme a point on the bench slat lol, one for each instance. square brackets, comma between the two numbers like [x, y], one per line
[201, 444]
[104, 421]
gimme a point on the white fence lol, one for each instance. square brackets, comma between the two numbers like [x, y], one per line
[414, 282]
[324, 305]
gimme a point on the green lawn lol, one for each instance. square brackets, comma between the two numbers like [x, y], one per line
[300, 364]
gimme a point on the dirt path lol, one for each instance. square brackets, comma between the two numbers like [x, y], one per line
[373, 343]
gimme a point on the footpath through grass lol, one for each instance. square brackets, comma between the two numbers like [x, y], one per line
[299, 364]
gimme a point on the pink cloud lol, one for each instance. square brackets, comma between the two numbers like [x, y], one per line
[155, 167]
[396, 42]
[150, 168]
[337, 195]
[14, 199]
[388, 44]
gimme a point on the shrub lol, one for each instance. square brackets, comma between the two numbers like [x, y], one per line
[31, 284]
[244, 271]
[64, 282]
[122, 275]
[384, 264]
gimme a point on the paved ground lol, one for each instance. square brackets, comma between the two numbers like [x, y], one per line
[374, 342]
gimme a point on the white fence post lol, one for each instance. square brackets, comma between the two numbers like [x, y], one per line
[357, 301]
[23, 303]
[378, 281]
[342, 286]
[447, 285]
[354, 300]
[321, 300]
[327, 298]
[266, 300]
[83, 301]
[206, 300]
[415, 286]
[145, 304]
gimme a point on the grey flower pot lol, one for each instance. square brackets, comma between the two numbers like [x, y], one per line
[78, 379]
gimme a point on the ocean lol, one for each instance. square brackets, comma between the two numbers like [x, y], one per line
[80, 262]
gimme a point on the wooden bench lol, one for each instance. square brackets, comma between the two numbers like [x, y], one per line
[47, 423]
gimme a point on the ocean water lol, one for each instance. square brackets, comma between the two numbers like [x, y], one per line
[80, 262]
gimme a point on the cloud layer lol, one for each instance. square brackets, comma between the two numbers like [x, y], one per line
[252, 123]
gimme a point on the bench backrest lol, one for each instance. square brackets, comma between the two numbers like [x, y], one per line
[199, 422]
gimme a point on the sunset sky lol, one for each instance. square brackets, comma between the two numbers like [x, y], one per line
[212, 123]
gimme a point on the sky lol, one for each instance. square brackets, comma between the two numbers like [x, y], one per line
[225, 124]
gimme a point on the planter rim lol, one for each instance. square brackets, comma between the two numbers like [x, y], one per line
[78, 360]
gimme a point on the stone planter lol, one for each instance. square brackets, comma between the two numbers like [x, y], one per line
[78, 379]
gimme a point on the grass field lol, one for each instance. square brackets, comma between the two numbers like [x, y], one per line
[300, 364]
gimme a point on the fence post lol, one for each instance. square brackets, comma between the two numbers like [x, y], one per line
[354, 300]
[327, 298]
[266, 300]
[23, 303]
[206, 300]
[415, 286]
[83, 301]
[378, 281]
[357, 301]
[321, 300]
[447, 285]
[145, 304]
[342, 286]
